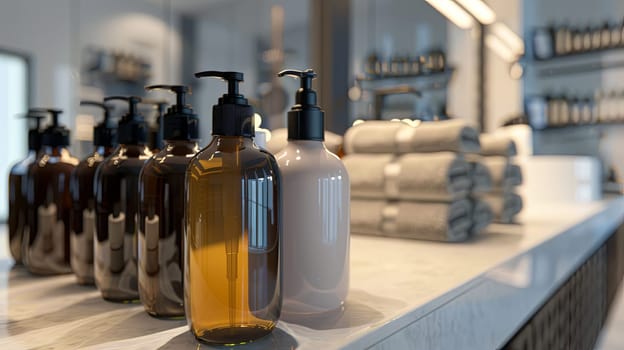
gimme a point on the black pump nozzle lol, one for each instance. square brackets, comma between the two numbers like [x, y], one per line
[306, 120]
[179, 123]
[179, 90]
[132, 129]
[133, 101]
[104, 134]
[232, 116]
[34, 134]
[233, 78]
[55, 135]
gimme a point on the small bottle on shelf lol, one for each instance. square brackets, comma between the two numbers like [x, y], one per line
[596, 38]
[543, 43]
[577, 41]
[605, 36]
[587, 39]
[616, 36]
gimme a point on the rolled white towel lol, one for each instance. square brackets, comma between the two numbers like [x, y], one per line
[374, 136]
[435, 221]
[497, 145]
[449, 135]
[440, 176]
[482, 216]
[505, 206]
[479, 174]
[366, 174]
[366, 216]
[505, 175]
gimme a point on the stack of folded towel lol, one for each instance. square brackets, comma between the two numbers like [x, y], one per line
[416, 182]
[497, 154]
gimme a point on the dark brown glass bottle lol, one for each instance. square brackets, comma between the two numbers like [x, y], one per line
[46, 241]
[83, 211]
[161, 212]
[18, 200]
[116, 208]
[232, 283]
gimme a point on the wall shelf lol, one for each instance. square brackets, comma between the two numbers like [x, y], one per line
[424, 81]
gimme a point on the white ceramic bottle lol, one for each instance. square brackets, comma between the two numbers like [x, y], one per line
[315, 187]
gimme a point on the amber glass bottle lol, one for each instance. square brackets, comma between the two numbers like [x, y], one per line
[161, 211]
[83, 211]
[232, 284]
[18, 205]
[116, 207]
[46, 241]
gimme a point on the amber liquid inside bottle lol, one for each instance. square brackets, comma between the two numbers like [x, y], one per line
[161, 229]
[116, 208]
[83, 215]
[232, 285]
[46, 241]
[18, 204]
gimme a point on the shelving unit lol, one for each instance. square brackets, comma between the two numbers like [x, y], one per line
[424, 81]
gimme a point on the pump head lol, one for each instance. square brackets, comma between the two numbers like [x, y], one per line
[104, 133]
[306, 120]
[34, 134]
[232, 116]
[180, 122]
[132, 129]
[55, 135]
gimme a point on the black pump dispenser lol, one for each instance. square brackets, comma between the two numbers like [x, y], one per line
[34, 134]
[55, 135]
[306, 120]
[104, 133]
[132, 129]
[155, 134]
[180, 122]
[232, 116]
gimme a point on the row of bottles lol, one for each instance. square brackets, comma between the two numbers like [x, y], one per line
[230, 235]
[564, 110]
[396, 66]
[562, 40]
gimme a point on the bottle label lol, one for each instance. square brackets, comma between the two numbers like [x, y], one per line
[48, 248]
[82, 242]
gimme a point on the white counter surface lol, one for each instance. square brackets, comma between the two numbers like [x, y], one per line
[404, 294]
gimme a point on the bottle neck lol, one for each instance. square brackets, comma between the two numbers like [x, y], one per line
[182, 147]
[311, 144]
[55, 151]
[104, 150]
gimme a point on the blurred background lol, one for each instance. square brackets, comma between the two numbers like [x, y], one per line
[555, 66]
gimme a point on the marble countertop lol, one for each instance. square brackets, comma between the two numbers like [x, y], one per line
[403, 293]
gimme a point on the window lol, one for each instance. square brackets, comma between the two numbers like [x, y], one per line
[14, 81]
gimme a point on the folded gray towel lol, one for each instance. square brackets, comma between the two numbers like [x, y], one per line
[505, 175]
[440, 176]
[366, 216]
[366, 174]
[505, 206]
[374, 136]
[497, 145]
[447, 222]
[448, 135]
[482, 216]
